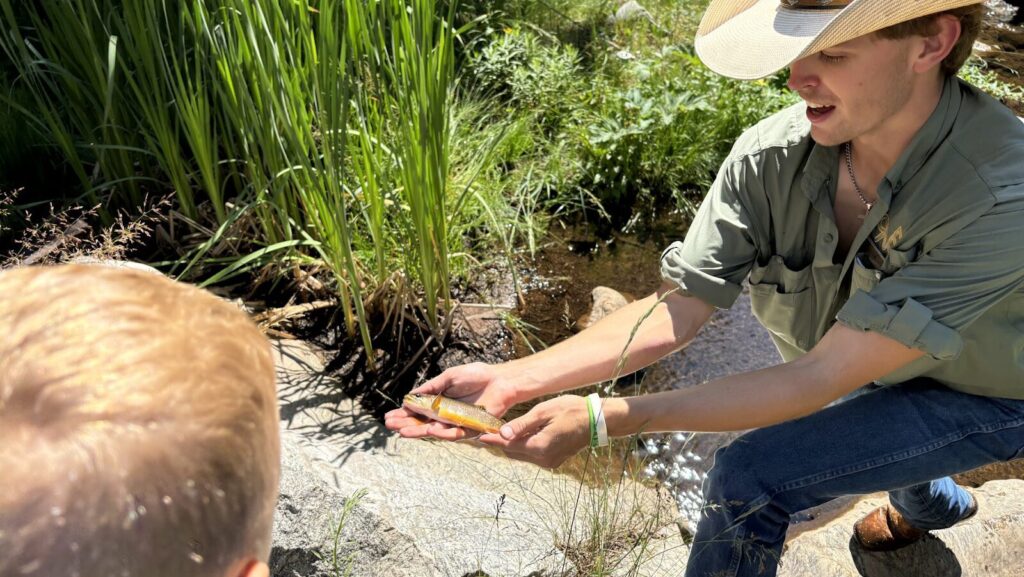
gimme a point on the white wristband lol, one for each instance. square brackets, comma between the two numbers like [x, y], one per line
[602, 426]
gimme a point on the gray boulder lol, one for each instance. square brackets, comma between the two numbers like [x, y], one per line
[431, 508]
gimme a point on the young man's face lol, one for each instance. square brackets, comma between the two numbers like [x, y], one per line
[855, 89]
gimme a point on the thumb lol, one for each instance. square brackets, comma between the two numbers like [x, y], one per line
[521, 426]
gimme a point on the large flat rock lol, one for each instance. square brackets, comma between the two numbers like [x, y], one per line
[431, 508]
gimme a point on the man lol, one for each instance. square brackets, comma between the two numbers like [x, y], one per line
[138, 428]
[880, 225]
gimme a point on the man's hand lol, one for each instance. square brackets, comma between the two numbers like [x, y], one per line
[476, 383]
[549, 434]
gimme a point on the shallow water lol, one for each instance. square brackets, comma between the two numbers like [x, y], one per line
[574, 260]
[570, 267]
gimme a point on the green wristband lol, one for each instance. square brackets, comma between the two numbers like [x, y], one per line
[593, 425]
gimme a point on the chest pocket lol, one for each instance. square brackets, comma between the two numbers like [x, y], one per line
[783, 300]
[864, 276]
[870, 266]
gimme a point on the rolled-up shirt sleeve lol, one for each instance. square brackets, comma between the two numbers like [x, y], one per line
[716, 254]
[929, 302]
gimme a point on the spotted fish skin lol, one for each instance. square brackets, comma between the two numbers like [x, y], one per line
[445, 410]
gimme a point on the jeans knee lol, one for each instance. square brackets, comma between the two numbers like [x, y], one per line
[734, 478]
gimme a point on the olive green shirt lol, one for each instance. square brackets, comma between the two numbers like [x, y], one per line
[937, 265]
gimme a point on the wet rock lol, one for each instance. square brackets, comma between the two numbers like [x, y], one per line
[1002, 11]
[605, 301]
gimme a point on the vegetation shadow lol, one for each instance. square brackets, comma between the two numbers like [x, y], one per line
[314, 404]
[929, 557]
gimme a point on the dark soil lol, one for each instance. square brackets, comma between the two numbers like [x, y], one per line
[575, 260]
[408, 352]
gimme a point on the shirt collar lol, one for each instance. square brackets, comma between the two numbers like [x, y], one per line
[929, 137]
[819, 173]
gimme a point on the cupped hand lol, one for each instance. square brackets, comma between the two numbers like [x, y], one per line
[548, 434]
[476, 383]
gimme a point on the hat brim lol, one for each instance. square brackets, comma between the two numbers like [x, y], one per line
[748, 39]
[761, 40]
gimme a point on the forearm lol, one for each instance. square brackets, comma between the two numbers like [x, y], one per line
[768, 396]
[621, 343]
[733, 403]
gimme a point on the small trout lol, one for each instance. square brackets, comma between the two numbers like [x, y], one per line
[440, 408]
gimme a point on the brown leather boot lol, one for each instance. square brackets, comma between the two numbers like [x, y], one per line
[884, 529]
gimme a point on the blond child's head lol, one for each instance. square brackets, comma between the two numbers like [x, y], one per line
[138, 428]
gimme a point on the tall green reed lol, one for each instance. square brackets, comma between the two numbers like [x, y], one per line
[320, 126]
[409, 61]
[66, 58]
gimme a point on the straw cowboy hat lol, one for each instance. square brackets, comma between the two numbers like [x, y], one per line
[749, 39]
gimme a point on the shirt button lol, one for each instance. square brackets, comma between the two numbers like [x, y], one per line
[828, 237]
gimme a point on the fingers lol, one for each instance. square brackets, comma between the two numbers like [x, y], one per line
[449, 432]
[531, 448]
[458, 382]
[402, 417]
[514, 434]
[549, 434]
[434, 386]
[438, 431]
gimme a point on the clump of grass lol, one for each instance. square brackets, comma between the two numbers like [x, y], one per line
[6, 200]
[977, 72]
[342, 567]
[621, 515]
[609, 527]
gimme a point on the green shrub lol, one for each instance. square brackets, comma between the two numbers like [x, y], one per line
[664, 134]
[532, 74]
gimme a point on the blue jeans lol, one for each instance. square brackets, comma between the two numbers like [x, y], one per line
[905, 439]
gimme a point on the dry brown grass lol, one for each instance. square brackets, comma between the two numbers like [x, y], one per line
[58, 235]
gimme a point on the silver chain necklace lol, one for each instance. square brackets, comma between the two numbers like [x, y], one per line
[848, 147]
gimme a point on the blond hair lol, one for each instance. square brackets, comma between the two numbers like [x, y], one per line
[970, 26]
[138, 427]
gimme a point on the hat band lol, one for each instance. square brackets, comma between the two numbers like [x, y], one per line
[814, 3]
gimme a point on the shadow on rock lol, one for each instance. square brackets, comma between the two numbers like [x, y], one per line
[313, 403]
[929, 557]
